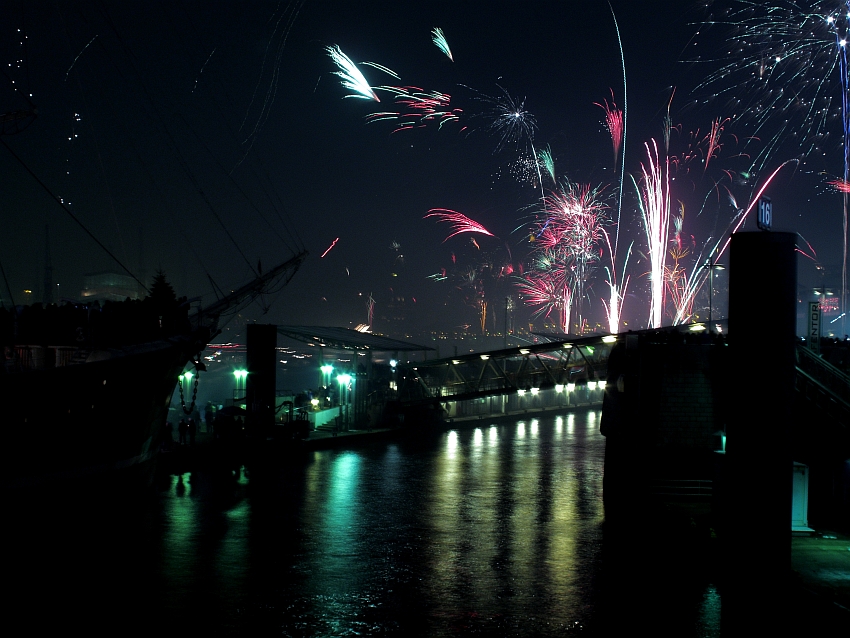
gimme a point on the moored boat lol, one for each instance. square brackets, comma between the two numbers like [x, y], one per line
[86, 389]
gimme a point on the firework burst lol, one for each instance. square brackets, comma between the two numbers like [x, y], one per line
[419, 108]
[352, 77]
[786, 71]
[567, 239]
[654, 192]
[440, 40]
[614, 124]
[460, 222]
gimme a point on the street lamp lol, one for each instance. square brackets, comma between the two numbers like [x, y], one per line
[326, 369]
[240, 375]
[711, 268]
[344, 380]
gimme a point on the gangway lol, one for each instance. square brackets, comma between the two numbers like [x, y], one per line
[481, 374]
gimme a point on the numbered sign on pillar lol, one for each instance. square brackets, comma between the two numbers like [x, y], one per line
[765, 215]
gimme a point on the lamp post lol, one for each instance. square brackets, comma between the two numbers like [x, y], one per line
[240, 376]
[326, 369]
[711, 268]
[344, 380]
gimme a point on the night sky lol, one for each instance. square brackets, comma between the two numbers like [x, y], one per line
[202, 137]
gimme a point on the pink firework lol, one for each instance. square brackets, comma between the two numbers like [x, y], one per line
[419, 108]
[567, 243]
[460, 222]
[614, 123]
[713, 140]
[551, 292]
[840, 185]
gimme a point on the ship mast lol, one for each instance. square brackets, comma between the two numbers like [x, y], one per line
[255, 288]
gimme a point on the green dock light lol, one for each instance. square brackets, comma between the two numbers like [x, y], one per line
[327, 370]
[240, 375]
[343, 380]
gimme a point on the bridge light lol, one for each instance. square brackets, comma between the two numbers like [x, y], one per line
[484, 357]
[602, 384]
[696, 327]
[609, 338]
[591, 385]
[559, 387]
[567, 346]
[524, 351]
[571, 387]
[520, 392]
[535, 390]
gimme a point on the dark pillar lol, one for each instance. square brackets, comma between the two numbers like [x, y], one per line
[260, 386]
[756, 489]
[626, 419]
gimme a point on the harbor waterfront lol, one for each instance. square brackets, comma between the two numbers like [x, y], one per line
[491, 528]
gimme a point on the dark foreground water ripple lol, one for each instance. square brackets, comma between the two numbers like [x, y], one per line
[497, 530]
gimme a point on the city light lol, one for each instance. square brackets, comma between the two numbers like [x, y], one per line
[239, 392]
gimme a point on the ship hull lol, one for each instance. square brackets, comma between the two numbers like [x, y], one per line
[86, 423]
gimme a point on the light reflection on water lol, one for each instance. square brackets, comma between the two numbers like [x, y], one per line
[490, 530]
[493, 529]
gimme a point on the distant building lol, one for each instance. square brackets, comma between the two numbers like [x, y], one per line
[109, 286]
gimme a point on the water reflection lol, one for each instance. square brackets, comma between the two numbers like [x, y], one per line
[492, 530]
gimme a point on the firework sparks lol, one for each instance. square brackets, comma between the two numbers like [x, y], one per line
[440, 40]
[545, 159]
[713, 140]
[784, 57]
[333, 243]
[616, 292]
[460, 222]
[352, 78]
[525, 169]
[614, 124]
[654, 190]
[566, 238]
[509, 119]
[676, 275]
[551, 293]
[840, 185]
[419, 108]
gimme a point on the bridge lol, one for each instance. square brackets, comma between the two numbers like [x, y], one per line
[559, 373]
[573, 371]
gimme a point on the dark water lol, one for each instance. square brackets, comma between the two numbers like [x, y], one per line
[497, 530]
